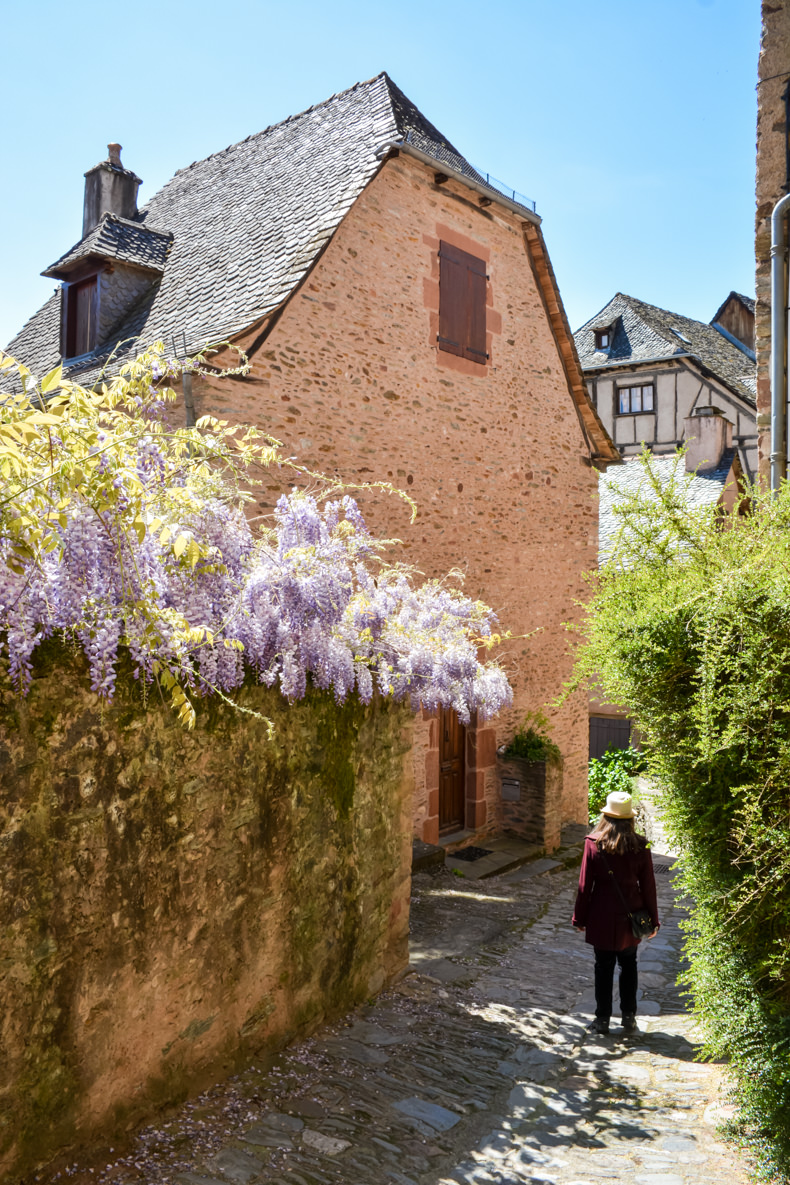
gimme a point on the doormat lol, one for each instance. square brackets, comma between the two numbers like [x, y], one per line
[470, 853]
[659, 868]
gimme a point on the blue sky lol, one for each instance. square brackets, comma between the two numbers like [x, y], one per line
[632, 123]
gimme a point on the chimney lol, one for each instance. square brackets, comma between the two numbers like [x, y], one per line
[109, 189]
[708, 434]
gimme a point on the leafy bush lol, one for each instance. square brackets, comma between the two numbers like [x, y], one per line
[614, 771]
[120, 530]
[689, 626]
[531, 741]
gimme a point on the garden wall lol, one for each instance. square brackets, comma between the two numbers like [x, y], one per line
[172, 902]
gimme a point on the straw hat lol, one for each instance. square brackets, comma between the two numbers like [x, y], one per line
[619, 805]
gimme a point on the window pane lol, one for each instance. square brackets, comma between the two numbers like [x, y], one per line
[624, 405]
[647, 398]
[636, 399]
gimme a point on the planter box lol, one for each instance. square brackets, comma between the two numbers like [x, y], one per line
[531, 794]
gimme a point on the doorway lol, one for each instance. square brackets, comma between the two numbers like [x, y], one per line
[452, 743]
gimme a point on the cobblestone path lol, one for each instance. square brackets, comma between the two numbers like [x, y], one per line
[478, 1067]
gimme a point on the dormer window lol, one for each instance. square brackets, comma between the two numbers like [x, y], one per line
[603, 339]
[80, 316]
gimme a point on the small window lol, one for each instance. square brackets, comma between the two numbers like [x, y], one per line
[79, 317]
[636, 399]
[462, 304]
[602, 339]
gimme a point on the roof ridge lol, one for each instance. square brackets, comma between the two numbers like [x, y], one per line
[273, 126]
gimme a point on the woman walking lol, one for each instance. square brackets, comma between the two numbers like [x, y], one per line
[615, 881]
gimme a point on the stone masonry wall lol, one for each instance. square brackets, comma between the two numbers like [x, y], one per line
[171, 902]
[350, 378]
[531, 792]
[774, 75]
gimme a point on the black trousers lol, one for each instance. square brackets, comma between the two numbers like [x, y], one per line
[604, 978]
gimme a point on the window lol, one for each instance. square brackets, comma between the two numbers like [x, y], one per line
[636, 399]
[462, 304]
[79, 317]
[603, 339]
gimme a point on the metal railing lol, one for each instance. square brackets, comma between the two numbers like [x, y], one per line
[444, 156]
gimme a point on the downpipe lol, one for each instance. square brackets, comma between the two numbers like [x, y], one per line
[778, 344]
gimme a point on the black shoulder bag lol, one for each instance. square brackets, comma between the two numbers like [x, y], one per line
[642, 923]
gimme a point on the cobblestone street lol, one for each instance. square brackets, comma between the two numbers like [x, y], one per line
[477, 1067]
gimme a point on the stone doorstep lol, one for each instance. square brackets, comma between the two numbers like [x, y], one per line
[425, 857]
[509, 853]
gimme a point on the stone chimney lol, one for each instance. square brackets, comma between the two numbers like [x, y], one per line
[708, 435]
[109, 189]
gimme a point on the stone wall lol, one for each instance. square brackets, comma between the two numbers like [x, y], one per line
[171, 902]
[772, 181]
[350, 378]
[531, 793]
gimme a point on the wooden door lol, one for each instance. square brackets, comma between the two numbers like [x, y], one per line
[608, 732]
[452, 740]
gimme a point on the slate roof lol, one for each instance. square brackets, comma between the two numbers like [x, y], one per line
[248, 222]
[117, 238]
[747, 301]
[621, 481]
[644, 333]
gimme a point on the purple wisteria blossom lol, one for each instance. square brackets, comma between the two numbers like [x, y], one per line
[120, 532]
[310, 603]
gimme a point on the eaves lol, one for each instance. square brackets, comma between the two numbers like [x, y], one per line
[493, 195]
[634, 363]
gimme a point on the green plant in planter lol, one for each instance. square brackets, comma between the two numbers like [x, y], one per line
[531, 741]
[614, 771]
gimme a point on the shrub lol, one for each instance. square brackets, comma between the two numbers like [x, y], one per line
[689, 626]
[531, 741]
[614, 771]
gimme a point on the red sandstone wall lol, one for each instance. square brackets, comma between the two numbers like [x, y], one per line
[351, 380]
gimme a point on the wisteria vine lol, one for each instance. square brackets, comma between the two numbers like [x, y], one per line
[119, 532]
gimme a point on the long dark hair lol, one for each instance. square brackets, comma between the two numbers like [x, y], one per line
[617, 835]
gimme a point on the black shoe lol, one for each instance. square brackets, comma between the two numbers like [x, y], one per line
[600, 1025]
[629, 1022]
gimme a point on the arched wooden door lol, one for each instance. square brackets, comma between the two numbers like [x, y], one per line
[452, 742]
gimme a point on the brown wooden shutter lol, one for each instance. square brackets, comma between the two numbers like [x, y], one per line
[462, 303]
[80, 316]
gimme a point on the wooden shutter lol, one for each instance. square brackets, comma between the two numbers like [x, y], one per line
[80, 316]
[462, 303]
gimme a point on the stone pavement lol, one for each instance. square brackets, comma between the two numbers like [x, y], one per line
[477, 1068]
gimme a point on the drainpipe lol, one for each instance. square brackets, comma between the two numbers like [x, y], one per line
[189, 402]
[778, 344]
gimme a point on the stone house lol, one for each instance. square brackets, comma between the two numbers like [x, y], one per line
[648, 370]
[402, 322]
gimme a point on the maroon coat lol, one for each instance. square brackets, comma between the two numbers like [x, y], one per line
[598, 906]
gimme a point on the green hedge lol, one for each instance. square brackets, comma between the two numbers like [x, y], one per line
[689, 626]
